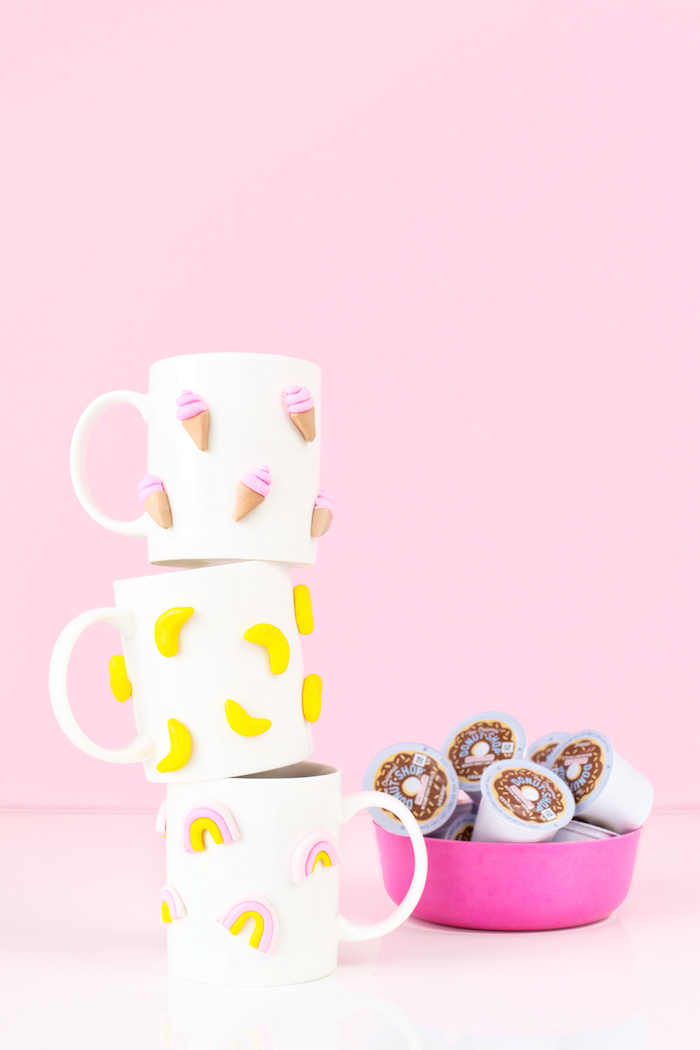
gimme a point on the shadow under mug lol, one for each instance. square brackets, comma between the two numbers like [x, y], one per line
[253, 864]
[310, 1016]
[249, 427]
[207, 701]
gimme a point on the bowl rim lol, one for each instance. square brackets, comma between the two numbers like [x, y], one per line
[435, 843]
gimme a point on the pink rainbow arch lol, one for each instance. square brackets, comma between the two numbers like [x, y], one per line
[211, 817]
[171, 905]
[319, 847]
[264, 936]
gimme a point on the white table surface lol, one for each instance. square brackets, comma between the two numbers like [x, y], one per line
[82, 959]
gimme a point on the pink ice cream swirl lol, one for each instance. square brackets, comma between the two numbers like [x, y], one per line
[258, 480]
[299, 399]
[149, 484]
[189, 405]
[325, 500]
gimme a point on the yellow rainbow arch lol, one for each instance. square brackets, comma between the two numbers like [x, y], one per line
[259, 926]
[266, 928]
[318, 847]
[171, 905]
[212, 817]
[324, 858]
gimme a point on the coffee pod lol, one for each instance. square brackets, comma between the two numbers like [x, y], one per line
[609, 791]
[421, 778]
[577, 831]
[521, 802]
[460, 826]
[473, 745]
[543, 749]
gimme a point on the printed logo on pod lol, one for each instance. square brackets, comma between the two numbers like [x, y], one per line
[528, 795]
[478, 745]
[415, 779]
[580, 764]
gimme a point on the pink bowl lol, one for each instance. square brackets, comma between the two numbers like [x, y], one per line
[513, 886]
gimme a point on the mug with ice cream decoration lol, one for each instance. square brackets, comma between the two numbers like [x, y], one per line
[233, 460]
[212, 664]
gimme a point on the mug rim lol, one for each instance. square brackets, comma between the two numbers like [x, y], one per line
[186, 571]
[303, 770]
[230, 353]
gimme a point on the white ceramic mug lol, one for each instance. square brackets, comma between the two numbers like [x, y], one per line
[195, 681]
[250, 427]
[256, 901]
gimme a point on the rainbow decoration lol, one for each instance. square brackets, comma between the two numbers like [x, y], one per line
[264, 935]
[211, 817]
[317, 848]
[171, 905]
[162, 819]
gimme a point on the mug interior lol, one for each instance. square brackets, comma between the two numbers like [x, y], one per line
[294, 772]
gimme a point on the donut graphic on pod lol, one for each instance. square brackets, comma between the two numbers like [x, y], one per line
[420, 777]
[474, 744]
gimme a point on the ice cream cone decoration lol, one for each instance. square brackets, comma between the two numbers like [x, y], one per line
[194, 416]
[155, 500]
[324, 509]
[300, 406]
[252, 490]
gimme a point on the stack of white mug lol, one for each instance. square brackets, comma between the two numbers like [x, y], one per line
[212, 664]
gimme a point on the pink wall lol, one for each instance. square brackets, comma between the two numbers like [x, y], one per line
[482, 221]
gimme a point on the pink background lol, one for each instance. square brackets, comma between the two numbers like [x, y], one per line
[481, 220]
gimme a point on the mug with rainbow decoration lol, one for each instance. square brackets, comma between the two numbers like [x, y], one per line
[212, 664]
[252, 897]
[233, 460]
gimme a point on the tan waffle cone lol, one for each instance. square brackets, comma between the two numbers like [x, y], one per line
[321, 521]
[246, 500]
[158, 506]
[306, 423]
[198, 429]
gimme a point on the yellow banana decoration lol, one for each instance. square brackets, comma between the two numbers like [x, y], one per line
[167, 629]
[118, 681]
[243, 723]
[180, 748]
[275, 643]
[311, 697]
[302, 609]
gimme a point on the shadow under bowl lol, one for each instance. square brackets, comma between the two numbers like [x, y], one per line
[513, 886]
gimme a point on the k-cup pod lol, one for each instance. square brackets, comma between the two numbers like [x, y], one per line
[609, 791]
[521, 802]
[474, 744]
[421, 778]
[577, 831]
[543, 749]
[460, 827]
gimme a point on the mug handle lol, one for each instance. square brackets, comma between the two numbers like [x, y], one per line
[78, 453]
[351, 931]
[142, 746]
